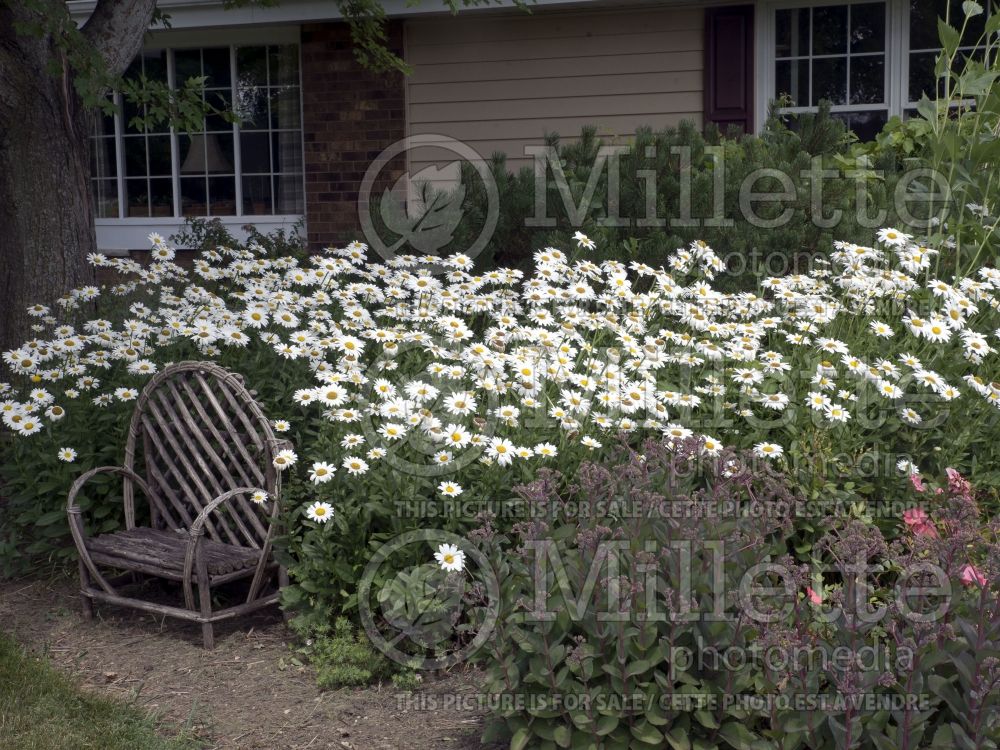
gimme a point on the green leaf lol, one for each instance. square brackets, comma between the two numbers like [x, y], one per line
[520, 739]
[737, 735]
[646, 732]
[640, 666]
[562, 736]
[972, 8]
[606, 725]
[51, 517]
[678, 739]
[949, 37]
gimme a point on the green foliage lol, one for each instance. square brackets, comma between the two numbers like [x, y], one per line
[646, 624]
[40, 709]
[209, 234]
[696, 180]
[344, 657]
[955, 136]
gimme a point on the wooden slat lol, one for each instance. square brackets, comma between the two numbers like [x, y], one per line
[222, 468]
[242, 461]
[166, 549]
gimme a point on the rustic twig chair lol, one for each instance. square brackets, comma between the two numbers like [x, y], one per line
[207, 447]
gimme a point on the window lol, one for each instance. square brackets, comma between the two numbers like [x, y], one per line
[837, 53]
[870, 60]
[924, 45]
[250, 168]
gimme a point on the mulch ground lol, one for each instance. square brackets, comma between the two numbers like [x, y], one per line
[244, 694]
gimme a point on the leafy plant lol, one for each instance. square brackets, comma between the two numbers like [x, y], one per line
[672, 616]
[679, 185]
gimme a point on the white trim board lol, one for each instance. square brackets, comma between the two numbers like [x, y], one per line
[116, 236]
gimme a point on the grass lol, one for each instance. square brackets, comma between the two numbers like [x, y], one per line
[42, 709]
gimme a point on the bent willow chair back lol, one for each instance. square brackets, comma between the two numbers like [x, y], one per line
[200, 451]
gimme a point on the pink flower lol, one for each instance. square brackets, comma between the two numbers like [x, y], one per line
[813, 596]
[958, 484]
[917, 482]
[919, 522]
[970, 575]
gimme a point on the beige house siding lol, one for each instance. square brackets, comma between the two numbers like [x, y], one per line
[501, 82]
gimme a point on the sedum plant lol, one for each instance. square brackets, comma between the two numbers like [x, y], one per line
[672, 616]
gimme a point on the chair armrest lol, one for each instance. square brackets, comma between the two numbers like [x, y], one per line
[75, 515]
[197, 532]
[72, 509]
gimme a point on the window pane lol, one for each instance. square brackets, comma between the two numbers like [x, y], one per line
[220, 153]
[222, 196]
[257, 195]
[286, 147]
[284, 64]
[154, 64]
[222, 101]
[102, 158]
[187, 64]
[922, 75]
[137, 197]
[830, 30]
[867, 80]
[868, 27]
[216, 67]
[161, 195]
[106, 198]
[192, 156]
[194, 194]
[792, 29]
[255, 153]
[252, 108]
[866, 125]
[288, 194]
[251, 66]
[829, 80]
[211, 153]
[135, 156]
[159, 155]
[285, 108]
[924, 15]
[792, 78]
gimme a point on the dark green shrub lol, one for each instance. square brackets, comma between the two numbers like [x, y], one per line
[691, 198]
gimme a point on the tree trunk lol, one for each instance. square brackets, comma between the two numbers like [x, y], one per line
[46, 204]
[46, 213]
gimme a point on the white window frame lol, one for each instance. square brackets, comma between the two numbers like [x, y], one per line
[897, 60]
[117, 235]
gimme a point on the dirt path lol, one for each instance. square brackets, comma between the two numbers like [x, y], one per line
[244, 694]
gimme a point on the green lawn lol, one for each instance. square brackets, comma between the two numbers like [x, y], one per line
[41, 709]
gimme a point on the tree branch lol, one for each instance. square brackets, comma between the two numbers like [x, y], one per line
[116, 29]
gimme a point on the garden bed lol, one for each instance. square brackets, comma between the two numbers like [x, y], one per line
[245, 694]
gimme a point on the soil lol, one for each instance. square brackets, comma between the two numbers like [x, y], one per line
[246, 693]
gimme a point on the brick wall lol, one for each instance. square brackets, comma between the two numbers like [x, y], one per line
[350, 115]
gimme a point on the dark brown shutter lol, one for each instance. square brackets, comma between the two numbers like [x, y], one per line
[729, 72]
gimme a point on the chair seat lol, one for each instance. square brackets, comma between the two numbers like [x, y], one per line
[161, 551]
